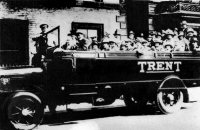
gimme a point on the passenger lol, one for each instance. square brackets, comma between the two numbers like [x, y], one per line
[149, 38]
[106, 37]
[131, 46]
[190, 34]
[95, 47]
[117, 38]
[168, 47]
[163, 33]
[158, 46]
[71, 41]
[169, 38]
[194, 44]
[175, 33]
[73, 34]
[184, 27]
[131, 36]
[83, 43]
[123, 47]
[182, 44]
[129, 42]
[198, 37]
[69, 44]
[159, 35]
[194, 33]
[105, 46]
[94, 44]
[113, 46]
[105, 42]
[140, 37]
[146, 46]
[153, 34]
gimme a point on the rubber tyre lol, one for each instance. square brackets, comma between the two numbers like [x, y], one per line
[24, 111]
[166, 108]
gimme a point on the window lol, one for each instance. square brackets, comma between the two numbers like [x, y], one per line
[89, 29]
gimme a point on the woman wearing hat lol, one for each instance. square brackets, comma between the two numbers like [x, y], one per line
[117, 38]
[145, 47]
[190, 34]
[131, 36]
[158, 46]
[184, 27]
[168, 48]
[159, 35]
[170, 38]
[105, 46]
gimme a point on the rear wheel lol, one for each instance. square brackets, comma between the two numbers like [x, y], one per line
[169, 101]
[24, 111]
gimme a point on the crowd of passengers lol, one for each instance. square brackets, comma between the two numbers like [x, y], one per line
[183, 39]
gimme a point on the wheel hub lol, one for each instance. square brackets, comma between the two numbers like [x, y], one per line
[26, 112]
[170, 101]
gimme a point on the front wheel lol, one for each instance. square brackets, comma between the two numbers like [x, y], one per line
[169, 101]
[24, 111]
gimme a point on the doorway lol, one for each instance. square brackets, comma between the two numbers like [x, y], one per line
[14, 46]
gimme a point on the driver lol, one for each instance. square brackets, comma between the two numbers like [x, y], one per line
[43, 43]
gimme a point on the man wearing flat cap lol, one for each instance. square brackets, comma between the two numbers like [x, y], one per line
[43, 42]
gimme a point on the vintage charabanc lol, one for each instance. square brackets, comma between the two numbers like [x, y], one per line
[68, 77]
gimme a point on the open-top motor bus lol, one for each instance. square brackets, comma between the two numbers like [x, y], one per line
[85, 76]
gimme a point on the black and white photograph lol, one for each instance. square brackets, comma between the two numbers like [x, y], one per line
[99, 64]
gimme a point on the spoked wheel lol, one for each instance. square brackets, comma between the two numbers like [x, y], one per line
[169, 101]
[24, 111]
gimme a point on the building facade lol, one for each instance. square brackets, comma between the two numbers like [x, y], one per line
[170, 14]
